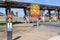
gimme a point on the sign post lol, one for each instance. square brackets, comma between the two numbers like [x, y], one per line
[9, 26]
[9, 21]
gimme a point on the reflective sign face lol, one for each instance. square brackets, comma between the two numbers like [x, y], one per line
[9, 20]
[9, 26]
[9, 16]
[34, 10]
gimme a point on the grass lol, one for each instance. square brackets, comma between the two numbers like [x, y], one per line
[58, 33]
[3, 25]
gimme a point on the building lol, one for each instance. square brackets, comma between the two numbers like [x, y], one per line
[1, 14]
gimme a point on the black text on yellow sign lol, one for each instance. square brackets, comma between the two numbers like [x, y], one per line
[35, 10]
[9, 20]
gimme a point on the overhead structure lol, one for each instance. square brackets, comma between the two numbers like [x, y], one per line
[25, 5]
[29, 8]
[10, 0]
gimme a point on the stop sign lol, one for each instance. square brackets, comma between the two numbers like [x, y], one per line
[9, 15]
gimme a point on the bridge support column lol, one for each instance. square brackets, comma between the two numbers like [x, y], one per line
[58, 14]
[27, 14]
[42, 12]
[56, 17]
[26, 11]
[49, 13]
[43, 16]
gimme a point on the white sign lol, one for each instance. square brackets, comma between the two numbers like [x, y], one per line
[9, 26]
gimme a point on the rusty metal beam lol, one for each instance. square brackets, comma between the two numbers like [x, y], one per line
[24, 5]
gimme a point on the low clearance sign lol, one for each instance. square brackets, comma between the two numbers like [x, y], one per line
[35, 11]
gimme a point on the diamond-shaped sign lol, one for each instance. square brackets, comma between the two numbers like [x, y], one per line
[9, 20]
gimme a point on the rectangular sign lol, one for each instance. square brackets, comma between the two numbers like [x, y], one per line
[9, 26]
[35, 11]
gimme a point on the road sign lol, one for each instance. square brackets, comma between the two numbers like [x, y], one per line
[9, 15]
[34, 10]
[9, 20]
[9, 25]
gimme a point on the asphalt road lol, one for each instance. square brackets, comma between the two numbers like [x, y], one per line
[55, 24]
[51, 26]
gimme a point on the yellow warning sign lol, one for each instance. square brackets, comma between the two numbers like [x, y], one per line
[35, 10]
[9, 20]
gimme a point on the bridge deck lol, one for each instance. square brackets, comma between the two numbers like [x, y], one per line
[25, 5]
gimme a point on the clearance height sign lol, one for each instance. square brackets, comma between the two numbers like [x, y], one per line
[35, 11]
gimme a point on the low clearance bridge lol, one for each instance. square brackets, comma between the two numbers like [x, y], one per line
[26, 7]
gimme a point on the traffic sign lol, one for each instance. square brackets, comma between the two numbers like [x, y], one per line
[35, 11]
[9, 25]
[9, 16]
[9, 20]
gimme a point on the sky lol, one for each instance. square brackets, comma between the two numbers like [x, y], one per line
[46, 2]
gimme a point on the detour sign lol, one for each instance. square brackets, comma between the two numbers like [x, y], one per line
[34, 10]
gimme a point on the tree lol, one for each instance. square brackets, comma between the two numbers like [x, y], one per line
[17, 14]
[12, 13]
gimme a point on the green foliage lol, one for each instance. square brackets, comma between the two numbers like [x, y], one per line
[58, 33]
[12, 13]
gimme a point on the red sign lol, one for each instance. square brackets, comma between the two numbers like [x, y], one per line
[35, 11]
[35, 16]
[9, 15]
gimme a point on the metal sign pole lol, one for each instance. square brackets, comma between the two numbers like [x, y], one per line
[9, 22]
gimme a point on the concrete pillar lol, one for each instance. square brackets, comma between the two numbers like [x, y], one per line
[43, 16]
[17, 14]
[58, 14]
[42, 12]
[26, 11]
[49, 13]
[55, 16]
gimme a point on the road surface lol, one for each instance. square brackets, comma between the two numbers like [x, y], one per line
[55, 24]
